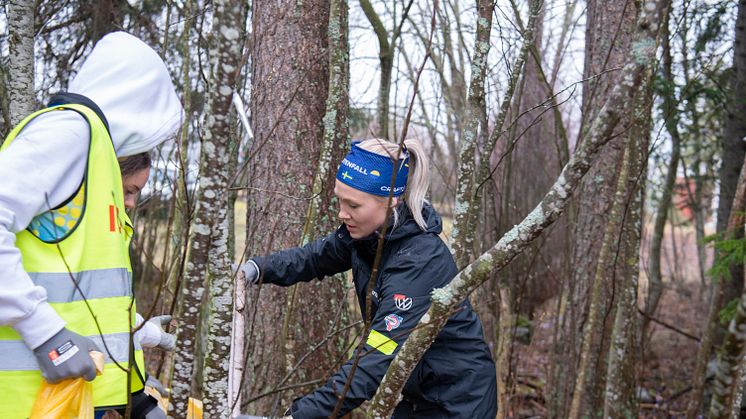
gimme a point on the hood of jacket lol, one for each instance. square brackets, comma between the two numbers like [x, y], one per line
[131, 85]
[408, 227]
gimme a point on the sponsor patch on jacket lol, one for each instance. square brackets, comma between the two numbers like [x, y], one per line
[392, 321]
[403, 302]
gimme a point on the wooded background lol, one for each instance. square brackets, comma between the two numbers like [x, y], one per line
[585, 158]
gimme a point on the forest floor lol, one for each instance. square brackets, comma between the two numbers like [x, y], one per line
[666, 367]
[668, 355]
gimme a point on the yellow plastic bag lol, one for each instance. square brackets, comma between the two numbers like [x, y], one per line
[68, 399]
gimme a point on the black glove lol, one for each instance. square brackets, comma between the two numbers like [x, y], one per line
[65, 355]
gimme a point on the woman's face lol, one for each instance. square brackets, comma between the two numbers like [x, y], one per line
[132, 185]
[361, 212]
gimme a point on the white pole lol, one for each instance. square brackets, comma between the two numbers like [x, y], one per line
[237, 346]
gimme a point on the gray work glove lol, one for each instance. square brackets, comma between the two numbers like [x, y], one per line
[65, 355]
[250, 272]
[168, 341]
[155, 384]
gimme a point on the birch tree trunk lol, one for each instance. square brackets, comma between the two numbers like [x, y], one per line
[207, 294]
[20, 88]
[599, 133]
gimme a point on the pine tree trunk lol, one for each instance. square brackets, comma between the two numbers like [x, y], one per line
[608, 37]
[594, 324]
[298, 100]
[734, 148]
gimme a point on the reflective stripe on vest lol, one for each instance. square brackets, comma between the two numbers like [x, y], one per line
[100, 283]
[17, 356]
[94, 249]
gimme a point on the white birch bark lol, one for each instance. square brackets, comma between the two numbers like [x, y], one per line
[208, 316]
[238, 340]
[22, 100]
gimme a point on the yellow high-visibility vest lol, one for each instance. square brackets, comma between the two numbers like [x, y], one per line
[85, 239]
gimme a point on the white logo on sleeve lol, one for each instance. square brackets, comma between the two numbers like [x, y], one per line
[403, 302]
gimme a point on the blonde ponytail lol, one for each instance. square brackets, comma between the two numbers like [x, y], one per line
[418, 180]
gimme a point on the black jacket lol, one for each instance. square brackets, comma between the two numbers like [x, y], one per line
[456, 376]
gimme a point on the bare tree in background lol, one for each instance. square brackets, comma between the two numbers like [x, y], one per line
[527, 159]
[386, 51]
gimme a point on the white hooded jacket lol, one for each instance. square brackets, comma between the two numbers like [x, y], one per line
[47, 161]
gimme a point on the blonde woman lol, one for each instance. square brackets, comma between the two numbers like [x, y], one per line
[456, 376]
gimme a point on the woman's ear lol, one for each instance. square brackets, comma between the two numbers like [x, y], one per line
[394, 202]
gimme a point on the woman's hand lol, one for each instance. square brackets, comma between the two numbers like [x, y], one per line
[249, 271]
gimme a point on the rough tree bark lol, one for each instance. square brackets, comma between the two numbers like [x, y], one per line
[444, 300]
[20, 88]
[608, 36]
[589, 359]
[620, 397]
[290, 92]
[207, 294]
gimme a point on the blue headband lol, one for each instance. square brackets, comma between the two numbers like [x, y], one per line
[370, 172]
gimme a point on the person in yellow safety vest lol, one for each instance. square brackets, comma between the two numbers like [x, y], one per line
[135, 171]
[65, 274]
